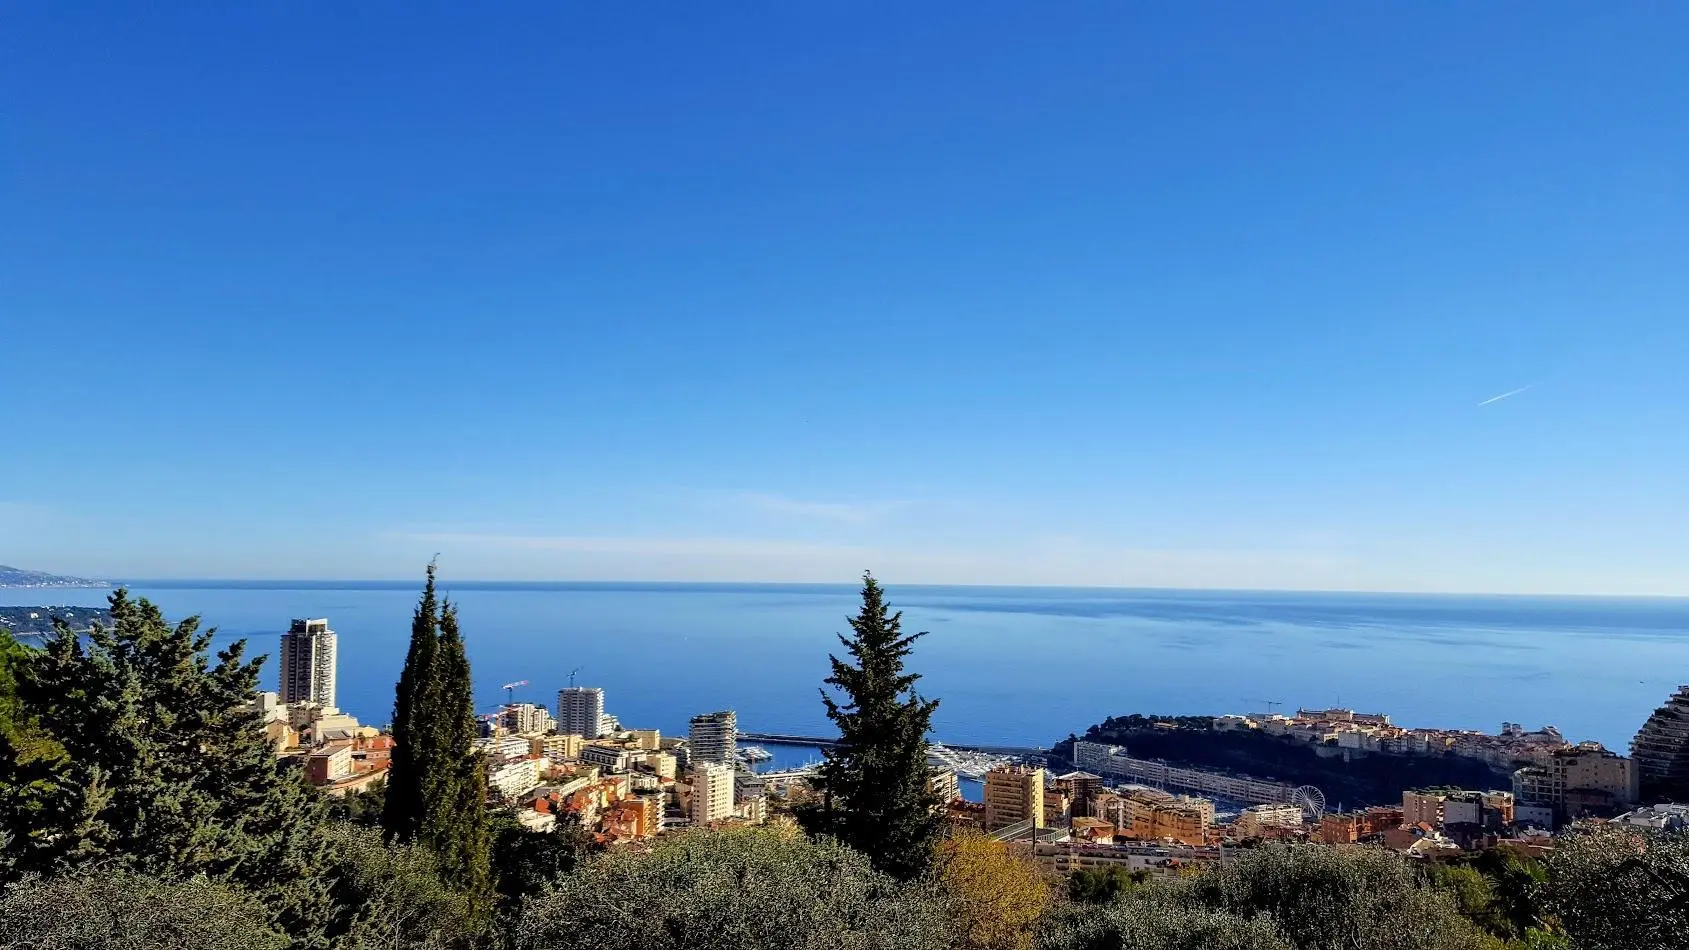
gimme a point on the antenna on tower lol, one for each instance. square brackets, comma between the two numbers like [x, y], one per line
[510, 691]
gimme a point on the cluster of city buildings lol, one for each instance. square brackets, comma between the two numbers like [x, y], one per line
[1081, 819]
[303, 724]
[1553, 781]
[1145, 815]
[1164, 815]
[621, 783]
[1373, 732]
[579, 763]
[1077, 819]
[1136, 810]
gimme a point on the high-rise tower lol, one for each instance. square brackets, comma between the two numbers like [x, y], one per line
[714, 737]
[307, 663]
[580, 711]
[1661, 750]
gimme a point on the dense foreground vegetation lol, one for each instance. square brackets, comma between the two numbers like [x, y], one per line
[775, 889]
[141, 810]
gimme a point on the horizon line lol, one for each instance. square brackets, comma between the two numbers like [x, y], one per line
[279, 582]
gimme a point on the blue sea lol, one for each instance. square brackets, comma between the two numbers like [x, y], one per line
[1019, 666]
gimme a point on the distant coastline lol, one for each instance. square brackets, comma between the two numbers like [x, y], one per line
[18, 578]
[38, 621]
[1265, 596]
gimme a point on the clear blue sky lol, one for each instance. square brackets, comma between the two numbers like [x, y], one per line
[1175, 294]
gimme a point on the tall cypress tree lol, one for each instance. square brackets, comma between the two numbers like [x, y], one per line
[436, 785]
[415, 759]
[458, 818]
[876, 783]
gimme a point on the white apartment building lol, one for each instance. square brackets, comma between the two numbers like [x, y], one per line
[1256, 819]
[511, 779]
[712, 792]
[610, 758]
[503, 746]
[307, 663]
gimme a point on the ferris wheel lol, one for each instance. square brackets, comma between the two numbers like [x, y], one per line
[1312, 801]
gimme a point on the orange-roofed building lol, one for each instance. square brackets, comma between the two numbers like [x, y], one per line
[1093, 830]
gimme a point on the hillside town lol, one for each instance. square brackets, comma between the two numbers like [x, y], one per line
[578, 763]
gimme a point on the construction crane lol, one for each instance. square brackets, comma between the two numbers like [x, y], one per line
[1270, 703]
[510, 691]
[572, 676]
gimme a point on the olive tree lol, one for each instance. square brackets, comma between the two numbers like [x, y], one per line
[116, 909]
[1157, 918]
[748, 889]
[391, 895]
[1619, 888]
[1326, 898]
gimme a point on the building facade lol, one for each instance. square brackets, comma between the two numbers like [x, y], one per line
[1150, 814]
[1350, 827]
[1256, 820]
[610, 758]
[1585, 779]
[1491, 811]
[1113, 760]
[526, 718]
[557, 748]
[328, 765]
[1014, 793]
[946, 785]
[1425, 806]
[580, 711]
[1661, 751]
[714, 737]
[308, 655]
[510, 780]
[712, 792]
[1082, 788]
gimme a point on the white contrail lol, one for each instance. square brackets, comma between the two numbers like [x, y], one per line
[1505, 395]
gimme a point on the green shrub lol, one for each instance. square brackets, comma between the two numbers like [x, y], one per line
[750, 889]
[115, 909]
[1619, 888]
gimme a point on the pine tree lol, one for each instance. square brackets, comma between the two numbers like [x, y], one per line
[20, 739]
[876, 784]
[162, 767]
[12, 653]
[436, 785]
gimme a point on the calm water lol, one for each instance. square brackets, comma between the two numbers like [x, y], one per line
[1011, 665]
